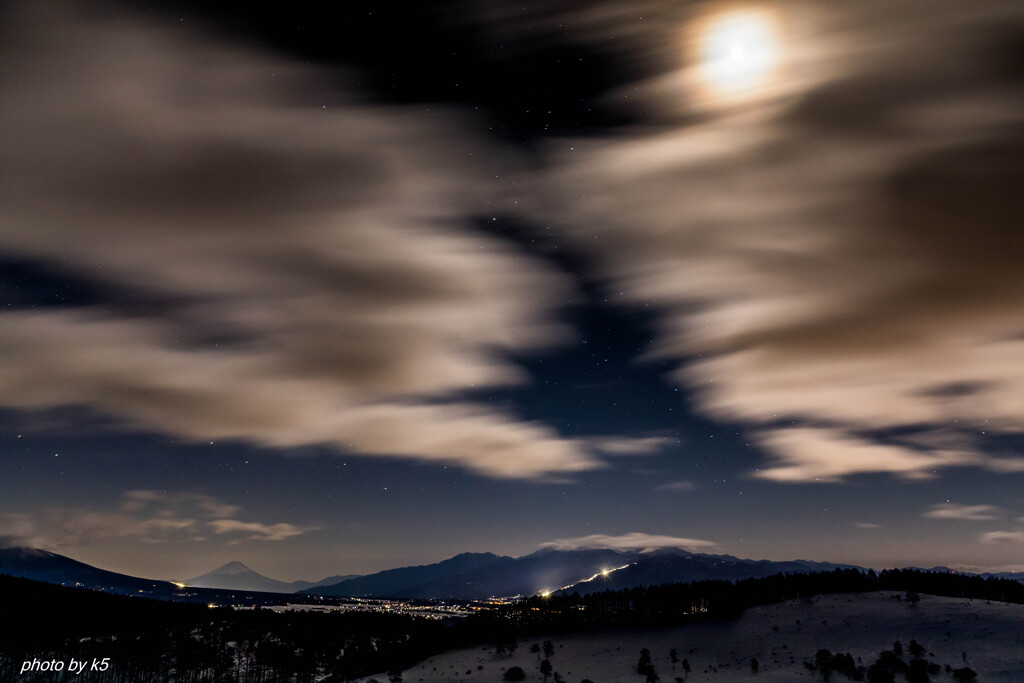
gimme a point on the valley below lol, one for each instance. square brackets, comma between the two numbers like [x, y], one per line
[67, 621]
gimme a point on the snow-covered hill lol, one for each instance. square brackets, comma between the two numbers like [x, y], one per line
[781, 637]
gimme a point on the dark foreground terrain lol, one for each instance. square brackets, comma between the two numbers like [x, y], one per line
[54, 633]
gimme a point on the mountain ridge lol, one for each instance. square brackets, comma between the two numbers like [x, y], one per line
[43, 565]
[467, 576]
[235, 575]
[549, 570]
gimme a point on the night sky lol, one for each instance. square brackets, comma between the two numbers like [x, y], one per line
[333, 293]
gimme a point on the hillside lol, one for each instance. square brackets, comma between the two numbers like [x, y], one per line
[781, 637]
[42, 565]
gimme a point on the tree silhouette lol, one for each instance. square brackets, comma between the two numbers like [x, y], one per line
[545, 668]
[879, 674]
[514, 673]
[965, 675]
[846, 665]
[917, 672]
[823, 663]
[674, 656]
[645, 666]
[644, 662]
[890, 661]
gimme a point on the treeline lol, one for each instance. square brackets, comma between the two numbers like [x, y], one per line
[723, 600]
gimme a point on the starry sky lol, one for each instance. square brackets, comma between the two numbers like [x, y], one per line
[338, 292]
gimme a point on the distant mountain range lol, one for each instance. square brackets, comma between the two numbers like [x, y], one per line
[426, 581]
[482, 575]
[42, 565]
[236, 576]
[467, 576]
[1012, 576]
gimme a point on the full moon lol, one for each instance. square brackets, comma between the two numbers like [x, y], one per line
[738, 51]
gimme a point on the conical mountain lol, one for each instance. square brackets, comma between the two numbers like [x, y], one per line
[236, 576]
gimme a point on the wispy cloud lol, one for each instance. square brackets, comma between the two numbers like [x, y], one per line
[623, 445]
[146, 516]
[1003, 537]
[809, 454]
[838, 252]
[681, 485]
[254, 531]
[840, 249]
[174, 504]
[631, 541]
[965, 512]
[309, 270]
[867, 525]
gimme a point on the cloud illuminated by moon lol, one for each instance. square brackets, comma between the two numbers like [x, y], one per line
[838, 252]
[632, 541]
[738, 50]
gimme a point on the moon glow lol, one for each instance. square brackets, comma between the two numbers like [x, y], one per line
[738, 51]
